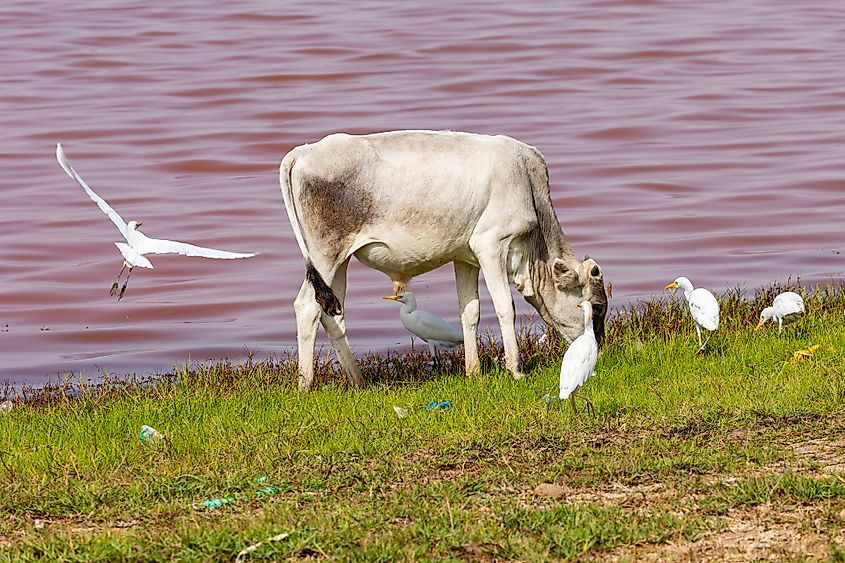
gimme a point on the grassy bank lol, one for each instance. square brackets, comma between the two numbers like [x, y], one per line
[738, 453]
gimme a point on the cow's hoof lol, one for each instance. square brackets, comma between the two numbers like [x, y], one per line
[518, 375]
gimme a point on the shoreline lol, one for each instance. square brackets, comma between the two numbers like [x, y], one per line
[657, 317]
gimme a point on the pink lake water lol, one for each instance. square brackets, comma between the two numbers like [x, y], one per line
[704, 139]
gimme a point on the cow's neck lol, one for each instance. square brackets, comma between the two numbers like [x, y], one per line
[549, 242]
[544, 246]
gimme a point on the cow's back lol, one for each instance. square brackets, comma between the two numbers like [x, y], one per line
[425, 190]
[398, 169]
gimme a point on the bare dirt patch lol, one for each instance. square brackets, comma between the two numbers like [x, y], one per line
[828, 456]
[70, 525]
[608, 494]
[748, 534]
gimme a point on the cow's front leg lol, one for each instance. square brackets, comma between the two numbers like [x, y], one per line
[466, 280]
[307, 316]
[336, 329]
[495, 274]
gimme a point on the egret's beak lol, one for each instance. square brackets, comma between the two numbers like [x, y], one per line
[760, 324]
[138, 223]
[672, 285]
[392, 297]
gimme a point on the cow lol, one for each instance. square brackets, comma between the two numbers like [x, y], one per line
[407, 202]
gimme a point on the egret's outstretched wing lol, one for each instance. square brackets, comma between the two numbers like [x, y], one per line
[101, 203]
[162, 246]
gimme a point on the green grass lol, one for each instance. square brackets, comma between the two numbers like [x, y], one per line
[681, 446]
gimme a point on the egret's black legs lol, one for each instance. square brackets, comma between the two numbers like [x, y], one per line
[436, 360]
[591, 409]
[590, 406]
[113, 289]
[703, 346]
[125, 282]
[435, 356]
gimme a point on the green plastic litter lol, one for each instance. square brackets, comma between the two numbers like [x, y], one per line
[213, 503]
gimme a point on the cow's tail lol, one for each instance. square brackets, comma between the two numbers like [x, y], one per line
[324, 295]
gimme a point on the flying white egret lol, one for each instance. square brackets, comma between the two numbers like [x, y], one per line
[787, 308]
[137, 243]
[437, 332]
[579, 361]
[702, 305]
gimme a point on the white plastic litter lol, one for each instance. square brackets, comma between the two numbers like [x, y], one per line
[150, 435]
[247, 550]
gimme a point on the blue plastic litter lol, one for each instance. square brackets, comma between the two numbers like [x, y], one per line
[271, 490]
[434, 405]
[213, 503]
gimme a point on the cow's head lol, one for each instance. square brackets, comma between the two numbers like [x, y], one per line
[560, 289]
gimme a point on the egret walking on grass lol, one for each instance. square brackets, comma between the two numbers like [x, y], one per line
[437, 332]
[137, 243]
[579, 361]
[787, 308]
[702, 305]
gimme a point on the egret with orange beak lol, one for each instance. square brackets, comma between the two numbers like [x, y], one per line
[702, 305]
[436, 332]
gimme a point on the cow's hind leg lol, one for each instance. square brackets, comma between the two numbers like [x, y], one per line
[495, 274]
[307, 316]
[336, 329]
[466, 279]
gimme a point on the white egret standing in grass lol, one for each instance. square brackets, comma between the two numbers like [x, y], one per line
[579, 361]
[702, 305]
[137, 243]
[437, 332]
[787, 308]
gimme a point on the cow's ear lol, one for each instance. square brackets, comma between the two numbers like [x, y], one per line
[562, 275]
[592, 270]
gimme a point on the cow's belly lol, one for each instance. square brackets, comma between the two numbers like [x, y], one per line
[406, 259]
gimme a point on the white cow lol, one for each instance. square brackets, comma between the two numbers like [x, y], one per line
[407, 202]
